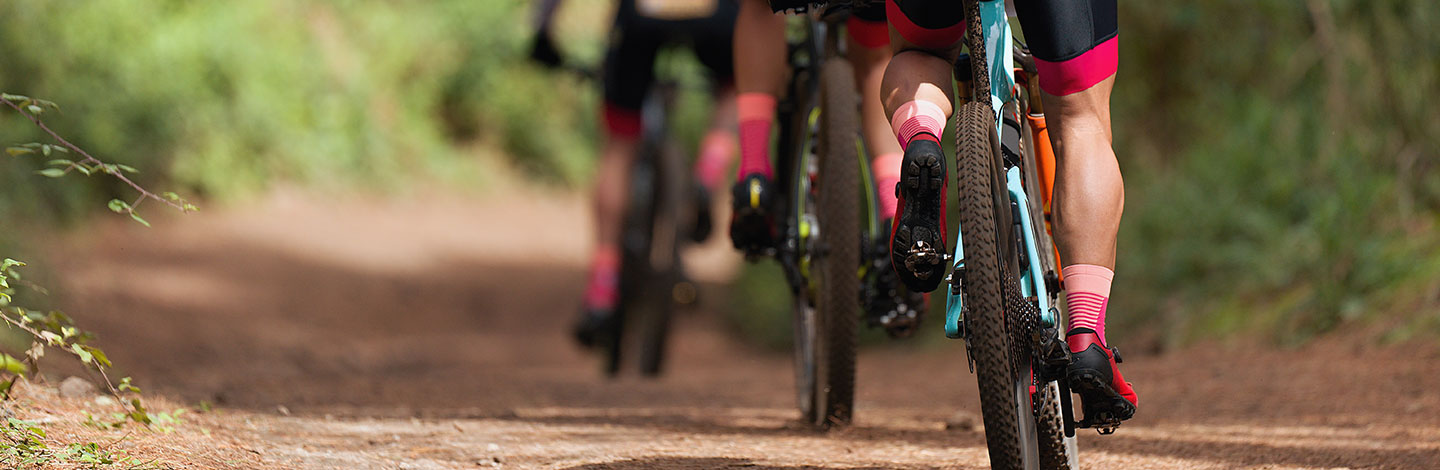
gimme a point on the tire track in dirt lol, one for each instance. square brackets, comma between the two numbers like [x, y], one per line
[432, 333]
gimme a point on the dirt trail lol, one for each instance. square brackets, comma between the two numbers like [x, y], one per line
[431, 334]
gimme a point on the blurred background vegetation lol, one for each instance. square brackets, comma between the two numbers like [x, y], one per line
[1281, 156]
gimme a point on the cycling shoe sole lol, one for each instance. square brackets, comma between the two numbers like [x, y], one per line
[1102, 404]
[917, 248]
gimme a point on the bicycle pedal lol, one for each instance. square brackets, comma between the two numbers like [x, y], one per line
[1103, 423]
[921, 257]
[899, 323]
[1054, 361]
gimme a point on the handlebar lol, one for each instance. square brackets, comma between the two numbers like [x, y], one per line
[544, 52]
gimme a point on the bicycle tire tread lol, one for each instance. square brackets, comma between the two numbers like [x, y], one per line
[838, 195]
[982, 284]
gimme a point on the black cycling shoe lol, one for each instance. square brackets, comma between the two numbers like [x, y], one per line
[703, 224]
[917, 240]
[1093, 374]
[893, 307]
[595, 328]
[752, 228]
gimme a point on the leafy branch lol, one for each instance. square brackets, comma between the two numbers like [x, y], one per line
[88, 165]
[54, 329]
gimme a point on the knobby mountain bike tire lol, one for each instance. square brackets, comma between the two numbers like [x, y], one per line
[798, 142]
[1057, 452]
[635, 238]
[986, 324]
[651, 326]
[648, 266]
[838, 192]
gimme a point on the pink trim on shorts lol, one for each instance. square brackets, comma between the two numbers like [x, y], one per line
[621, 122]
[1082, 72]
[923, 37]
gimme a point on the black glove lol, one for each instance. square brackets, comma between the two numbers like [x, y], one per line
[542, 50]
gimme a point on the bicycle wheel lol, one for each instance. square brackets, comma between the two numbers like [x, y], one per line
[635, 270]
[650, 325]
[1057, 451]
[838, 190]
[797, 142]
[1004, 392]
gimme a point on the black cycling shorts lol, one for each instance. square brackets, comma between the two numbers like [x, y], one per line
[636, 40]
[1075, 42]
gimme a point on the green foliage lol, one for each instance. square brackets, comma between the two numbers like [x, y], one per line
[226, 98]
[52, 330]
[24, 444]
[760, 306]
[88, 165]
[1281, 165]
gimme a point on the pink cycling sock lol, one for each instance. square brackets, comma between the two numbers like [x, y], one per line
[1087, 289]
[916, 118]
[757, 113]
[887, 173]
[603, 290]
[717, 151]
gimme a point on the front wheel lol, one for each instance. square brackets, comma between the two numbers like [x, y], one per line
[826, 335]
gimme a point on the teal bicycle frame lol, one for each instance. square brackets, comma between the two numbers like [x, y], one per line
[998, 39]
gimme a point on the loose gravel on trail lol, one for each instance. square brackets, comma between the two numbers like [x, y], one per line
[432, 333]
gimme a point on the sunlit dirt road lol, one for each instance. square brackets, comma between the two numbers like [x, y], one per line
[432, 334]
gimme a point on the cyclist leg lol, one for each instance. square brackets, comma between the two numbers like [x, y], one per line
[1075, 46]
[629, 72]
[869, 52]
[759, 76]
[897, 309]
[719, 146]
[712, 40]
[916, 92]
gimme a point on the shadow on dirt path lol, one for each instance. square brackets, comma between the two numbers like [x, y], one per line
[683, 463]
[434, 334]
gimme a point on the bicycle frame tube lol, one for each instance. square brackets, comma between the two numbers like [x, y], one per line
[1001, 63]
[997, 51]
[1032, 278]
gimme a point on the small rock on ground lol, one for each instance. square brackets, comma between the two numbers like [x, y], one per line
[962, 421]
[76, 387]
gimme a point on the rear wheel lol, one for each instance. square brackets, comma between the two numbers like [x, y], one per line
[635, 270]
[649, 264]
[1057, 452]
[1004, 391]
[651, 325]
